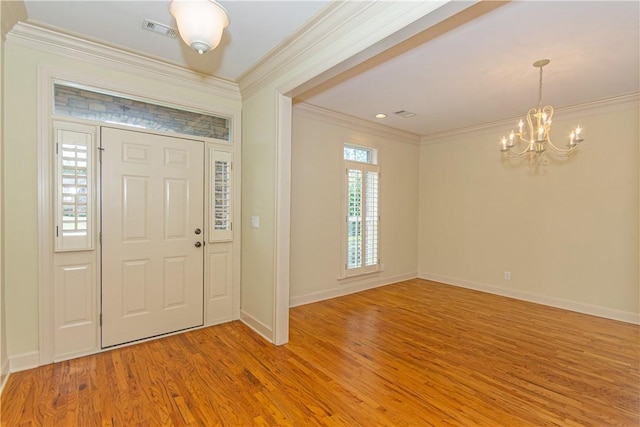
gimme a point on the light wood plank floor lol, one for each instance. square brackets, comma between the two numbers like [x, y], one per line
[415, 353]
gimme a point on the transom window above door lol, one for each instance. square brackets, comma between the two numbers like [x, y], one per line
[80, 102]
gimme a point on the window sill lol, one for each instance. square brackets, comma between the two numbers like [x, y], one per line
[355, 277]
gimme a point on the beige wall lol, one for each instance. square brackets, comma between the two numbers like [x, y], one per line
[4, 359]
[316, 206]
[258, 199]
[568, 233]
[20, 169]
[10, 13]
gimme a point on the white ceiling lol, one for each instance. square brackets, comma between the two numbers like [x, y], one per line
[256, 27]
[481, 71]
[453, 76]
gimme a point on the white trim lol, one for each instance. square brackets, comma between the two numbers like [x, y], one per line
[45, 215]
[292, 49]
[342, 35]
[593, 310]
[24, 361]
[257, 326]
[4, 374]
[575, 111]
[348, 289]
[349, 122]
[236, 252]
[283, 221]
[49, 40]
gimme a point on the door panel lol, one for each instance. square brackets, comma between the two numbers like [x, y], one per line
[152, 201]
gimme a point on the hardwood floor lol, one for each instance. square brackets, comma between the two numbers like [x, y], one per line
[415, 353]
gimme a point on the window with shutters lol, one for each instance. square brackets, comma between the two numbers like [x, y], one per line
[362, 217]
[221, 212]
[74, 184]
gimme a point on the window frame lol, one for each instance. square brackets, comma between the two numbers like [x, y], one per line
[365, 168]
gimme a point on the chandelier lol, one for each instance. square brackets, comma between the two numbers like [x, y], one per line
[535, 140]
[200, 23]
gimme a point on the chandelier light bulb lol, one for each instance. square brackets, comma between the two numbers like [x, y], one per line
[200, 23]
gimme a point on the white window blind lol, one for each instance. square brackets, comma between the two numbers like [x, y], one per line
[354, 218]
[74, 205]
[221, 209]
[372, 219]
[362, 212]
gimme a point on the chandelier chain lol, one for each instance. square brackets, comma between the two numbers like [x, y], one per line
[540, 90]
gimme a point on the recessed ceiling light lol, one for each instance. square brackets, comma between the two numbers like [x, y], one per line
[381, 116]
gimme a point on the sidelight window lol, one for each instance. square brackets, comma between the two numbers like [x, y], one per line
[221, 212]
[74, 195]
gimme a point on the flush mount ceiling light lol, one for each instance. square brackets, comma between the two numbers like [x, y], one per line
[381, 116]
[537, 140]
[200, 23]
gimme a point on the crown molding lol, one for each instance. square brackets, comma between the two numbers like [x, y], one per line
[338, 119]
[342, 30]
[71, 46]
[601, 106]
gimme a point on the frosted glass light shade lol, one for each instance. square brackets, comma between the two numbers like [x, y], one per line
[200, 23]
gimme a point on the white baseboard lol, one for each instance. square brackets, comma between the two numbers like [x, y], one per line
[4, 374]
[348, 289]
[260, 328]
[593, 310]
[24, 361]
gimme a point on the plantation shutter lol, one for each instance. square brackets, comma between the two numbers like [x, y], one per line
[362, 196]
[372, 220]
[354, 219]
[221, 213]
[74, 204]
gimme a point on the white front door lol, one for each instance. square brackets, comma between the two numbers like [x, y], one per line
[152, 237]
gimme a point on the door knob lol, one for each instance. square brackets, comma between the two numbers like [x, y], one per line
[198, 231]
[198, 244]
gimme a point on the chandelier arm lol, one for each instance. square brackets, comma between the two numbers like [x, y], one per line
[561, 150]
[512, 154]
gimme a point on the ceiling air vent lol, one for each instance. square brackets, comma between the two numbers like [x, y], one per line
[405, 114]
[159, 28]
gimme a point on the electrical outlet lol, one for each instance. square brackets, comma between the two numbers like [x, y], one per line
[507, 275]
